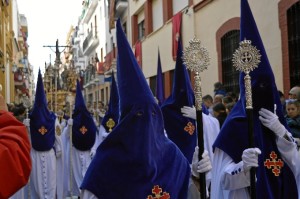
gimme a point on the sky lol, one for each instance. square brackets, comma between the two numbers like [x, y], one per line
[48, 20]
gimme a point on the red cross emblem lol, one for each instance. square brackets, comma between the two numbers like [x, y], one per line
[43, 130]
[275, 165]
[83, 130]
[190, 128]
[157, 192]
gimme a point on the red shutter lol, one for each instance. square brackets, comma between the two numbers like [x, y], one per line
[176, 33]
[138, 52]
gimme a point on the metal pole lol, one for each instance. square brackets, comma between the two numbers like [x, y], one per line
[196, 59]
[55, 76]
[27, 104]
[71, 166]
[246, 58]
[71, 101]
[51, 92]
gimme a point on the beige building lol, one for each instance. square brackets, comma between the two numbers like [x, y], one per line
[216, 24]
[16, 71]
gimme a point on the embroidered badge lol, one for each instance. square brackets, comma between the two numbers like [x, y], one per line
[275, 165]
[158, 193]
[190, 128]
[58, 131]
[110, 124]
[43, 130]
[83, 130]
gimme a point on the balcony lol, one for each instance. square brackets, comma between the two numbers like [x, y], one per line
[121, 6]
[90, 8]
[110, 58]
[100, 68]
[90, 43]
[76, 40]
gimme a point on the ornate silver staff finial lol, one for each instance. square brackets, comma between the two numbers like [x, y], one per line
[196, 59]
[26, 104]
[245, 59]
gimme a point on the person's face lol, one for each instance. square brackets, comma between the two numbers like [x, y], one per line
[215, 114]
[292, 110]
[207, 103]
[217, 99]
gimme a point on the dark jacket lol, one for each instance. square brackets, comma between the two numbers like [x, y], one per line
[294, 124]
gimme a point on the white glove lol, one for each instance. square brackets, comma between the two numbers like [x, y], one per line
[270, 120]
[26, 122]
[250, 158]
[92, 153]
[202, 166]
[189, 112]
[70, 122]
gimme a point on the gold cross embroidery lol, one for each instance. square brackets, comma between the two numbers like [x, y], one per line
[157, 192]
[58, 130]
[190, 128]
[83, 130]
[275, 165]
[43, 130]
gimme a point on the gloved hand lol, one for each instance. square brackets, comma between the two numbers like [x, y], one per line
[189, 112]
[250, 158]
[202, 166]
[92, 153]
[270, 120]
[70, 122]
[26, 122]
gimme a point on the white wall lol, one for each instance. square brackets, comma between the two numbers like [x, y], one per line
[157, 14]
[208, 21]
[178, 5]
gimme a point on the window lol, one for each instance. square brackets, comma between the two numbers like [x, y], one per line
[106, 92]
[171, 77]
[229, 43]
[95, 19]
[157, 14]
[293, 23]
[124, 28]
[141, 30]
[152, 81]
[112, 43]
[102, 95]
[106, 50]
